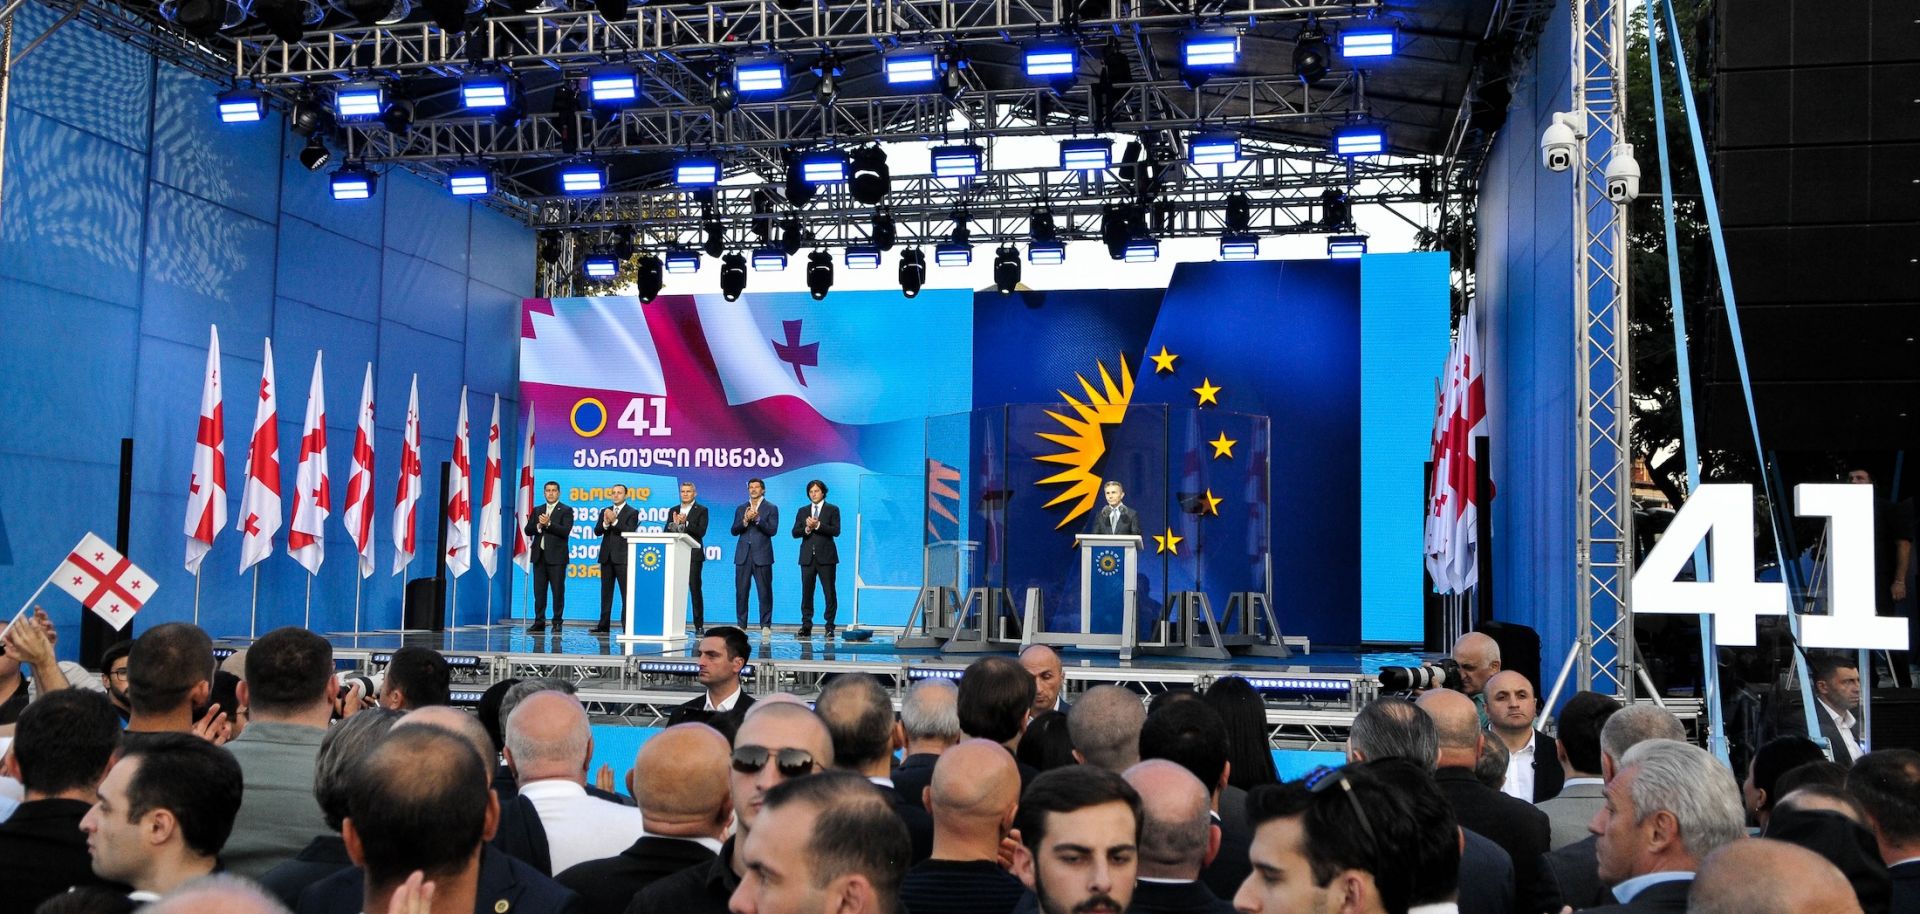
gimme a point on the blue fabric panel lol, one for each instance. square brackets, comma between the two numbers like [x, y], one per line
[503, 252]
[81, 77]
[404, 351]
[328, 270]
[165, 415]
[49, 504]
[493, 318]
[349, 345]
[236, 165]
[206, 263]
[309, 195]
[66, 392]
[73, 210]
[423, 295]
[424, 220]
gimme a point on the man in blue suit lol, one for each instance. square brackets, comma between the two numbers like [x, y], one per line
[755, 524]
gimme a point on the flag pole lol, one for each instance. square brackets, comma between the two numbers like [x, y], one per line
[309, 622]
[356, 603]
[253, 615]
[453, 605]
[489, 618]
[27, 605]
[196, 597]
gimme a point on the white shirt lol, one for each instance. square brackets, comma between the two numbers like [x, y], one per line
[1519, 783]
[712, 844]
[725, 705]
[1440, 907]
[581, 827]
[1626, 891]
[1844, 720]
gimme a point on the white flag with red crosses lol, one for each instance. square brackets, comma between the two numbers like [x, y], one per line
[110, 585]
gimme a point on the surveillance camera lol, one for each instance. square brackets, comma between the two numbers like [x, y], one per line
[1560, 143]
[1623, 175]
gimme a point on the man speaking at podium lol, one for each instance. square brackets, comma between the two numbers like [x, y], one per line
[614, 523]
[1115, 519]
[816, 527]
[755, 523]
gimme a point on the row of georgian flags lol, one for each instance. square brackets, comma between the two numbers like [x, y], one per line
[1453, 500]
[260, 503]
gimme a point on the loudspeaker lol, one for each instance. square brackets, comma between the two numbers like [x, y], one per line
[1896, 719]
[1519, 650]
[424, 606]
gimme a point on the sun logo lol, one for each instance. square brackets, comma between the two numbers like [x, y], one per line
[1084, 441]
[1109, 563]
[649, 559]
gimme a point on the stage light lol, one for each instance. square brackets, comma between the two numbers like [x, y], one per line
[1207, 50]
[871, 179]
[681, 260]
[769, 260]
[1086, 155]
[487, 92]
[623, 242]
[1336, 209]
[1367, 43]
[611, 10]
[583, 178]
[1360, 140]
[1142, 250]
[792, 235]
[1214, 149]
[953, 254]
[733, 276]
[828, 70]
[913, 271]
[650, 277]
[1239, 215]
[397, 116]
[601, 264]
[1310, 55]
[716, 238]
[1346, 247]
[1006, 269]
[242, 106]
[1239, 247]
[956, 161]
[470, 181]
[863, 257]
[1049, 252]
[1052, 61]
[906, 68]
[819, 274]
[883, 231]
[315, 154]
[760, 76]
[1040, 225]
[359, 101]
[696, 171]
[614, 86]
[353, 182]
[551, 246]
[823, 166]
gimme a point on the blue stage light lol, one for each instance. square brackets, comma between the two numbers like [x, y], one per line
[681, 260]
[863, 257]
[614, 86]
[769, 260]
[242, 106]
[600, 265]
[1050, 252]
[696, 171]
[486, 92]
[911, 67]
[1360, 140]
[760, 76]
[583, 178]
[1211, 49]
[1239, 247]
[470, 181]
[353, 182]
[359, 101]
[1214, 149]
[1143, 250]
[1346, 247]
[824, 166]
[956, 161]
[952, 254]
[1050, 61]
[1367, 43]
[1092, 154]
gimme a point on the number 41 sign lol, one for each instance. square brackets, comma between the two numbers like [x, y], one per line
[1735, 598]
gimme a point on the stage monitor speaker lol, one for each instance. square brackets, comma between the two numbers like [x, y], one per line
[1519, 651]
[424, 605]
[1896, 719]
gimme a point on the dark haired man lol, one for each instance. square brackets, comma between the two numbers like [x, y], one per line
[340, 753]
[549, 527]
[432, 821]
[113, 675]
[1582, 790]
[755, 522]
[616, 521]
[817, 526]
[169, 676]
[721, 654]
[288, 691]
[1759, 790]
[859, 716]
[1836, 688]
[61, 747]
[1188, 732]
[163, 813]
[1081, 829]
[1887, 783]
[828, 844]
[417, 677]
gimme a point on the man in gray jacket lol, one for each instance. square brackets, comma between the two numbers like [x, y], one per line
[1584, 792]
[288, 691]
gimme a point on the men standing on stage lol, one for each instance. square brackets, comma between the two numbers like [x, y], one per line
[550, 525]
[614, 522]
[691, 519]
[1115, 519]
[816, 527]
[755, 523]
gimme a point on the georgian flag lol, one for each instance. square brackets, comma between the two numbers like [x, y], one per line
[1452, 545]
[407, 498]
[490, 497]
[312, 496]
[105, 581]
[360, 481]
[260, 500]
[460, 500]
[523, 504]
[207, 487]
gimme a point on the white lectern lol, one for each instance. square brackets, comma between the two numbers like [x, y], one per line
[656, 585]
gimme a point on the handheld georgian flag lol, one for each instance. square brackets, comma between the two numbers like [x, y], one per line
[260, 500]
[523, 504]
[207, 487]
[312, 497]
[490, 497]
[460, 500]
[360, 481]
[103, 579]
[407, 498]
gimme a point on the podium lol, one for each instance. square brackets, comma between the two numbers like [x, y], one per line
[656, 585]
[1109, 598]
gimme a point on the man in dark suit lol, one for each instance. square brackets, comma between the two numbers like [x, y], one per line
[817, 526]
[549, 527]
[721, 654]
[61, 747]
[1049, 679]
[1115, 518]
[1533, 760]
[680, 778]
[690, 517]
[755, 523]
[1177, 839]
[1189, 732]
[858, 713]
[974, 790]
[1521, 830]
[930, 721]
[615, 522]
[1668, 807]
[1887, 783]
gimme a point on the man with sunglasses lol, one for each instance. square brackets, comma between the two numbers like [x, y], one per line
[777, 742]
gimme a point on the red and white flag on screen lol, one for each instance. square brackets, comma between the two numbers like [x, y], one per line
[407, 498]
[207, 487]
[260, 500]
[1452, 544]
[523, 503]
[105, 581]
[360, 481]
[460, 500]
[490, 497]
[312, 497]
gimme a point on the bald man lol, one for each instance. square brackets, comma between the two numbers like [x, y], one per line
[1479, 658]
[1533, 759]
[1105, 727]
[973, 796]
[549, 743]
[1177, 839]
[218, 894]
[680, 779]
[1049, 679]
[1520, 829]
[1762, 876]
[458, 722]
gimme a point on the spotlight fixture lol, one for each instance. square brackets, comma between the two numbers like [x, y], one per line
[681, 260]
[697, 171]
[913, 271]
[1239, 215]
[551, 246]
[829, 70]
[1048, 252]
[650, 277]
[353, 182]
[1336, 208]
[614, 86]
[315, 154]
[359, 101]
[766, 75]
[725, 95]
[956, 161]
[1142, 250]
[1239, 247]
[1210, 50]
[397, 116]
[307, 118]
[871, 179]
[906, 68]
[200, 17]
[819, 274]
[716, 238]
[953, 254]
[1310, 55]
[470, 181]
[733, 276]
[611, 10]
[883, 231]
[487, 91]
[792, 235]
[823, 166]
[1040, 225]
[769, 260]
[1052, 61]
[863, 257]
[1093, 154]
[1362, 43]
[242, 106]
[1214, 149]
[1346, 247]
[583, 177]
[1006, 269]
[600, 264]
[286, 19]
[1360, 140]
[623, 242]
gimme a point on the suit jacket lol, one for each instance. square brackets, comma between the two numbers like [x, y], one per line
[913, 776]
[1831, 731]
[918, 821]
[613, 543]
[1548, 776]
[1176, 898]
[1570, 876]
[1569, 813]
[755, 546]
[521, 836]
[1906, 887]
[1129, 524]
[1515, 825]
[1486, 876]
[1230, 866]
[608, 886]
[694, 710]
[43, 853]
[695, 525]
[505, 884]
[550, 545]
[325, 856]
[700, 889]
[819, 547]
[1659, 898]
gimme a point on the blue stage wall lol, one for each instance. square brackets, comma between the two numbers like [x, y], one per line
[133, 219]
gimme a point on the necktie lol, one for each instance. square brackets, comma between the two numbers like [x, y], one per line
[816, 511]
[1113, 519]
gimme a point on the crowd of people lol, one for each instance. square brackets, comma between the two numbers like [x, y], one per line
[996, 793]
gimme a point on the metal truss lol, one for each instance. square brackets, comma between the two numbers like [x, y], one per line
[713, 29]
[1603, 556]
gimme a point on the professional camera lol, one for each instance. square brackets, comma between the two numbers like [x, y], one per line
[369, 684]
[1440, 674]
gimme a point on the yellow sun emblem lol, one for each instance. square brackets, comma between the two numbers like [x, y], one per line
[1084, 440]
[649, 559]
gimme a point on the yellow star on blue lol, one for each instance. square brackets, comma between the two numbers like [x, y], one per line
[1167, 543]
[1163, 363]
